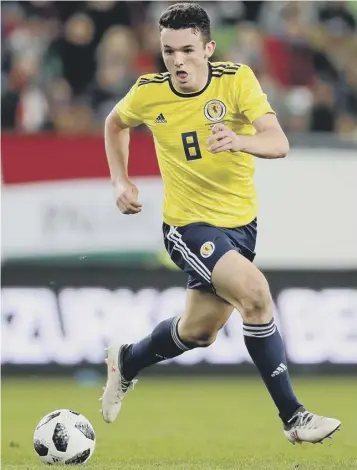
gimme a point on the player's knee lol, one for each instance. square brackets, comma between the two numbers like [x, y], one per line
[257, 303]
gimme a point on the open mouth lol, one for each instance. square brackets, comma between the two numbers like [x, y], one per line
[182, 75]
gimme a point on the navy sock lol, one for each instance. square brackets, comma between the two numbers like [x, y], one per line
[163, 343]
[266, 348]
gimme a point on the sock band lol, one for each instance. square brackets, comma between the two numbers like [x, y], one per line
[175, 335]
[259, 331]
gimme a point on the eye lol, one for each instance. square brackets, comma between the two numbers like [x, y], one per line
[168, 52]
[188, 51]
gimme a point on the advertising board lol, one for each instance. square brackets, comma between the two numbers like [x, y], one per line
[65, 317]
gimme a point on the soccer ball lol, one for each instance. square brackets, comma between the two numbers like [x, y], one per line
[64, 437]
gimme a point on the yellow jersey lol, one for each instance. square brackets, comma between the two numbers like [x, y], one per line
[200, 186]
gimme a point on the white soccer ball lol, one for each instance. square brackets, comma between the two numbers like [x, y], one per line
[64, 437]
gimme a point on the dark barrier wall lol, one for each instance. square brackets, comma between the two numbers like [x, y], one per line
[59, 318]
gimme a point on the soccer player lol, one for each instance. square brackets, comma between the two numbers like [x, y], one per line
[209, 121]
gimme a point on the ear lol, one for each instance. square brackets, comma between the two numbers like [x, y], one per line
[210, 48]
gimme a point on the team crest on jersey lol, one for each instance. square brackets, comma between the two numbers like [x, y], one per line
[215, 110]
[207, 249]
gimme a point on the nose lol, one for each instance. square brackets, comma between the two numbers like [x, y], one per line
[178, 59]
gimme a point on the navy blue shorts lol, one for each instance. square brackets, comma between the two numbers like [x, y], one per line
[196, 248]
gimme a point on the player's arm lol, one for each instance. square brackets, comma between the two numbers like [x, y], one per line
[117, 137]
[269, 140]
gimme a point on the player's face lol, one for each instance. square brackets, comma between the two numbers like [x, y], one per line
[186, 55]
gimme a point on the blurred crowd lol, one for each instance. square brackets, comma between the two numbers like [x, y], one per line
[65, 64]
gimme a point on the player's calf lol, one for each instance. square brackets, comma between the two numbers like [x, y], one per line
[200, 338]
[201, 333]
[241, 283]
[204, 316]
[246, 287]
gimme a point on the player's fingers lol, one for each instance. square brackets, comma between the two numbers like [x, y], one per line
[129, 211]
[218, 147]
[218, 127]
[133, 206]
[121, 206]
[132, 197]
[225, 148]
[220, 135]
[125, 207]
[136, 204]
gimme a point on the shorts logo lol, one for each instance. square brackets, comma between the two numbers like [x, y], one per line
[207, 249]
[215, 110]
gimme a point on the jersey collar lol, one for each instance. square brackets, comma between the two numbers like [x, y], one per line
[196, 93]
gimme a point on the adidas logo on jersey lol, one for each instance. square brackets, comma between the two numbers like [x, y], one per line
[279, 370]
[160, 119]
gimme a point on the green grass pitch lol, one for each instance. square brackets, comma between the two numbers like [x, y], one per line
[178, 424]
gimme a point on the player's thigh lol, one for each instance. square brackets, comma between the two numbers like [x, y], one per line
[239, 282]
[204, 315]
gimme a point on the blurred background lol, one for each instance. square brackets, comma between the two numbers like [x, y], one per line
[66, 64]
[77, 274]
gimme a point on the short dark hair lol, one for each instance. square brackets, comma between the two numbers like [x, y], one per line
[185, 15]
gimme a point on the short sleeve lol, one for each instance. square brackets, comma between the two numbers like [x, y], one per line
[129, 108]
[252, 102]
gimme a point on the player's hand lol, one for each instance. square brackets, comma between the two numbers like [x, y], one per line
[222, 139]
[126, 196]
